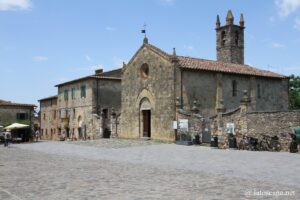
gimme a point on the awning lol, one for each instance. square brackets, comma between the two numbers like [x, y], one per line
[16, 126]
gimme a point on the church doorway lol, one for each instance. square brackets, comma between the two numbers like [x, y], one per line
[146, 123]
[145, 118]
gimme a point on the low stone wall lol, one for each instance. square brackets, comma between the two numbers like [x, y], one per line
[235, 116]
[196, 122]
[280, 124]
[257, 125]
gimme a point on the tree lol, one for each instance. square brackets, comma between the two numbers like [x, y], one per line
[294, 92]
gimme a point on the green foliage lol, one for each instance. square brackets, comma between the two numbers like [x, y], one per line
[294, 92]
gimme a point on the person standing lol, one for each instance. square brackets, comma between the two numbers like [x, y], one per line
[37, 135]
[7, 137]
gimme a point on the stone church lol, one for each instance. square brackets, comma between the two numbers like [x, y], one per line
[155, 84]
[150, 93]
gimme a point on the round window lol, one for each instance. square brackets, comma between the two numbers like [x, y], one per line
[144, 70]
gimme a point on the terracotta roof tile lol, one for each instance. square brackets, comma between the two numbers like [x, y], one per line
[9, 103]
[48, 98]
[89, 77]
[209, 65]
[217, 66]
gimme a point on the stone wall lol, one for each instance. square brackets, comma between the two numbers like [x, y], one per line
[8, 114]
[197, 124]
[256, 124]
[278, 123]
[49, 118]
[230, 52]
[157, 89]
[200, 87]
[109, 95]
[78, 111]
[209, 88]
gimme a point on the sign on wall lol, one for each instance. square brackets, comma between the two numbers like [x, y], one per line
[174, 125]
[230, 128]
[183, 124]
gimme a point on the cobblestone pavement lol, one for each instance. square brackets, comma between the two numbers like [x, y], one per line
[115, 143]
[62, 170]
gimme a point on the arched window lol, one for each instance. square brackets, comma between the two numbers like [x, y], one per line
[234, 88]
[144, 70]
[237, 38]
[223, 38]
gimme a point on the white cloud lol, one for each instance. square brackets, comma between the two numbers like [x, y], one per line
[286, 7]
[188, 47]
[15, 5]
[39, 58]
[277, 45]
[297, 24]
[109, 28]
[88, 58]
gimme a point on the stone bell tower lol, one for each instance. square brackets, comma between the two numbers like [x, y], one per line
[230, 40]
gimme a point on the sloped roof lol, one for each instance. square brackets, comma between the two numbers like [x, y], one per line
[9, 103]
[105, 76]
[151, 47]
[186, 62]
[158, 50]
[48, 98]
[217, 66]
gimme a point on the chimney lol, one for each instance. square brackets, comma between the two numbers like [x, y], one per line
[98, 72]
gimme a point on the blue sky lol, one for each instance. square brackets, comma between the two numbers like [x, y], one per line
[43, 43]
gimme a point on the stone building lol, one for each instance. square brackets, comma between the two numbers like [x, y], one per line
[83, 107]
[15, 113]
[48, 118]
[156, 85]
[11, 112]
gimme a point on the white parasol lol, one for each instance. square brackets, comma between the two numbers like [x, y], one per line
[16, 126]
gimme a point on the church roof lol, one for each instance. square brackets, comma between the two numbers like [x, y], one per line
[216, 66]
[9, 103]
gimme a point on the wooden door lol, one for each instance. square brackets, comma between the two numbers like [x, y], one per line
[146, 123]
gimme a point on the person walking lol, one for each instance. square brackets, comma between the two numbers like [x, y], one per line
[7, 137]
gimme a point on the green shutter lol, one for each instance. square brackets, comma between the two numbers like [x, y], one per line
[83, 91]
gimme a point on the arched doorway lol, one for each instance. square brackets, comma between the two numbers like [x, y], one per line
[145, 111]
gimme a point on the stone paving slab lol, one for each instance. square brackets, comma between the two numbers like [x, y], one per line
[59, 170]
[115, 143]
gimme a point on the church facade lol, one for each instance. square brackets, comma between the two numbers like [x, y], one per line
[155, 84]
[145, 97]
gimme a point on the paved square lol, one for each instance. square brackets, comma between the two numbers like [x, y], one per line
[126, 169]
